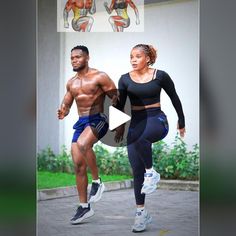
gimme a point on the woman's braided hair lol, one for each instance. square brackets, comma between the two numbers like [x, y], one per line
[150, 51]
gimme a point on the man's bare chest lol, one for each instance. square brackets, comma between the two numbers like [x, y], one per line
[84, 87]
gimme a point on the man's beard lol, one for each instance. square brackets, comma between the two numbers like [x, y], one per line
[79, 68]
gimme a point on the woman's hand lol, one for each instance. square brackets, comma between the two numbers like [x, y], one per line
[119, 133]
[181, 131]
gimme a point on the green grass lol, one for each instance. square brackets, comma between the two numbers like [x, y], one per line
[48, 180]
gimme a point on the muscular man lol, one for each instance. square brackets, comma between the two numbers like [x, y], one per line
[80, 22]
[122, 19]
[88, 88]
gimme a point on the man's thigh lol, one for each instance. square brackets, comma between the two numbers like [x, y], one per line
[77, 156]
[88, 137]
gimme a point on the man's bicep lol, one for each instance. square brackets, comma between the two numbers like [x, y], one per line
[68, 99]
[107, 83]
[109, 88]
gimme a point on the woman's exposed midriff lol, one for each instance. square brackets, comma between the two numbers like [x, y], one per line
[138, 108]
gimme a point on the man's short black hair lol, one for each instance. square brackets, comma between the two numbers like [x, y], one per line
[81, 47]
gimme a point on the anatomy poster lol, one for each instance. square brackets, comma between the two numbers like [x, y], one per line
[100, 16]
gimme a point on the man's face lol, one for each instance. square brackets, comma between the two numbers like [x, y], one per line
[79, 59]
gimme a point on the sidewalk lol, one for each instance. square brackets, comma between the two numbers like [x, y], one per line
[175, 213]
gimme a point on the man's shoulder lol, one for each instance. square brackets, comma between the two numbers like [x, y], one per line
[96, 71]
[98, 74]
[71, 80]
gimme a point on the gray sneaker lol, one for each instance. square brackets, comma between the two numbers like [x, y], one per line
[142, 219]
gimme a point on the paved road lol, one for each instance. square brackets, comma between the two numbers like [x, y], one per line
[175, 213]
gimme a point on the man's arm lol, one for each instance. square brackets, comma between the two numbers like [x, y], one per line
[66, 11]
[131, 3]
[108, 86]
[109, 9]
[92, 10]
[66, 103]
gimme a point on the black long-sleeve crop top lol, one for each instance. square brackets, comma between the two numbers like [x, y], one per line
[141, 94]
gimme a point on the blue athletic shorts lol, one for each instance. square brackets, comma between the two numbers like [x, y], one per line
[98, 121]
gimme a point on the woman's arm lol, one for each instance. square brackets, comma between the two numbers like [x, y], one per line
[169, 87]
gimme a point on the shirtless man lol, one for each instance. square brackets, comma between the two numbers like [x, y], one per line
[88, 88]
[122, 19]
[80, 22]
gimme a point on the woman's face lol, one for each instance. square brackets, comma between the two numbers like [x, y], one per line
[138, 59]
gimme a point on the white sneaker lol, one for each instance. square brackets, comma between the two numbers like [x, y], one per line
[150, 182]
[142, 219]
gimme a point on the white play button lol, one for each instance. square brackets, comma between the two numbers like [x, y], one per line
[116, 118]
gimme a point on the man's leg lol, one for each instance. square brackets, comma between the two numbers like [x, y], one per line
[84, 211]
[85, 144]
[80, 167]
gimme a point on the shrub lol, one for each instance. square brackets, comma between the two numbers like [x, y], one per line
[172, 163]
[176, 162]
[112, 163]
[48, 161]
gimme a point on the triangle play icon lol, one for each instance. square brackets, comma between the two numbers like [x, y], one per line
[117, 118]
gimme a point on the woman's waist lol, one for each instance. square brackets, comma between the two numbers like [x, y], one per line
[145, 107]
[145, 113]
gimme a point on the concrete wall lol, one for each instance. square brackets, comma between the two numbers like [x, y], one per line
[48, 82]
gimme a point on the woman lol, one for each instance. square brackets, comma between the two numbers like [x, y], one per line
[148, 122]
[122, 19]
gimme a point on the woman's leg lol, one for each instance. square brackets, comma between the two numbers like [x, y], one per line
[142, 218]
[142, 134]
[138, 169]
[140, 138]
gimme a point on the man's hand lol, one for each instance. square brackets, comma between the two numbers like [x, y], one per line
[114, 100]
[60, 114]
[119, 133]
[137, 21]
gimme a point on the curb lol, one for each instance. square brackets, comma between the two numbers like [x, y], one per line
[183, 185]
[47, 194]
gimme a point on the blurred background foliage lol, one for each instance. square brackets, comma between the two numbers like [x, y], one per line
[171, 161]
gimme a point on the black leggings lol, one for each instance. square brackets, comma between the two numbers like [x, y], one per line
[146, 127]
